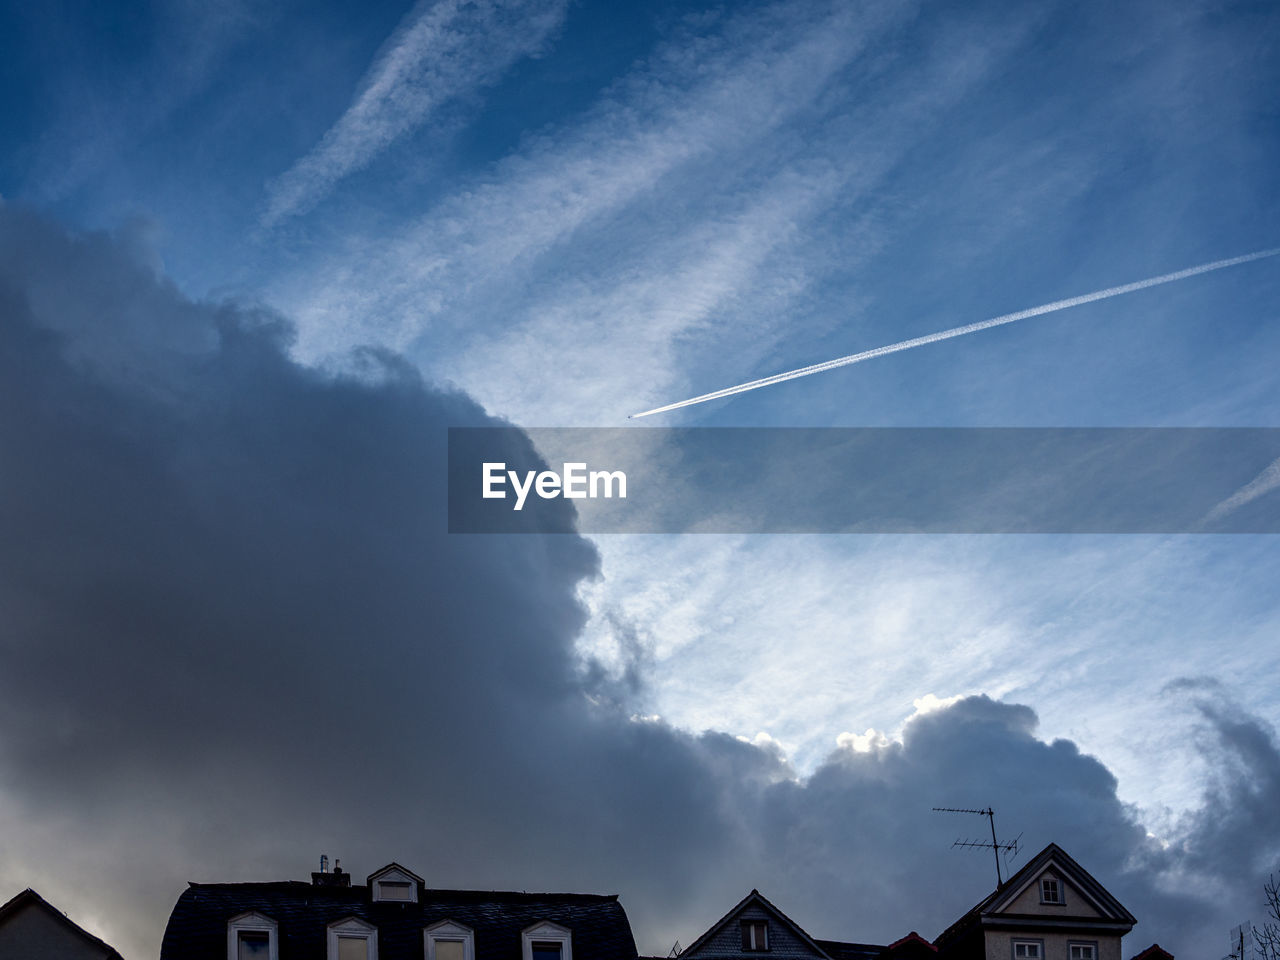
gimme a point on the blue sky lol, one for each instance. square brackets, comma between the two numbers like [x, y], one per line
[571, 212]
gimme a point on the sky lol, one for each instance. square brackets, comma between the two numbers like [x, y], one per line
[256, 257]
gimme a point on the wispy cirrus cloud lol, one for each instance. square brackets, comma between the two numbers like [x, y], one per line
[706, 107]
[1265, 482]
[675, 220]
[441, 51]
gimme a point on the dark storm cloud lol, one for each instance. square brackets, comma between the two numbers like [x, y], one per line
[227, 592]
[236, 635]
[1235, 833]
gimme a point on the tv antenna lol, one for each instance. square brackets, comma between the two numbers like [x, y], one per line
[995, 846]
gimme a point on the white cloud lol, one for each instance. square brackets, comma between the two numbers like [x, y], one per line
[717, 102]
[867, 742]
[805, 636]
[929, 703]
[1265, 482]
[443, 49]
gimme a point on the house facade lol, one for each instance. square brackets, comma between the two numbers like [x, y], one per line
[1051, 909]
[31, 928]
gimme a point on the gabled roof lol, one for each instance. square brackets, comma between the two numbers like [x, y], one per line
[755, 897]
[1154, 952]
[29, 898]
[197, 928]
[992, 909]
[393, 867]
[911, 943]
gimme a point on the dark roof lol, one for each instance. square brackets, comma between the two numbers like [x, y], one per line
[393, 866]
[755, 896]
[29, 897]
[1154, 952]
[840, 950]
[1006, 891]
[197, 927]
[910, 946]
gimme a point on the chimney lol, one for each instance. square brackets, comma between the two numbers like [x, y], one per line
[325, 879]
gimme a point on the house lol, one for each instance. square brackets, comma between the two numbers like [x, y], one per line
[392, 916]
[755, 926]
[1051, 909]
[31, 928]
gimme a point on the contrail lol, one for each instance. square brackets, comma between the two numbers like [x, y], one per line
[961, 331]
[1262, 484]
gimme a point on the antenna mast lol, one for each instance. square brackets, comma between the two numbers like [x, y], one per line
[995, 846]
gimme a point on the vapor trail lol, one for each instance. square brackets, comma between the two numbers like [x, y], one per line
[961, 331]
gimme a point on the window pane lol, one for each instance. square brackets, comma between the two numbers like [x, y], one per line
[545, 950]
[253, 945]
[353, 948]
[450, 950]
[755, 935]
[393, 890]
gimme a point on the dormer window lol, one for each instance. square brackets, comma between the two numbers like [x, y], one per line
[1050, 890]
[447, 940]
[252, 936]
[352, 939]
[755, 935]
[395, 884]
[547, 941]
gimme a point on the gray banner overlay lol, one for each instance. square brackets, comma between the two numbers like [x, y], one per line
[865, 480]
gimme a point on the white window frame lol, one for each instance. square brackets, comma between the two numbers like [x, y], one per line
[1091, 944]
[1022, 941]
[356, 929]
[1060, 893]
[452, 932]
[252, 922]
[551, 932]
[393, 873]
